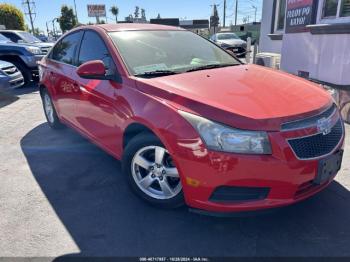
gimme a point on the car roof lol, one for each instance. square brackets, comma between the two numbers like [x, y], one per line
[133, 27]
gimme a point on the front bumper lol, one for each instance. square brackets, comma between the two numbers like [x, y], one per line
[287, 178]
[12, 81]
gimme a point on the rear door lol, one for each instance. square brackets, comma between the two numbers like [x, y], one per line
[96, 108]
[62, 62]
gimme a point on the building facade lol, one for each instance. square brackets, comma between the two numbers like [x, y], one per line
[313, 38]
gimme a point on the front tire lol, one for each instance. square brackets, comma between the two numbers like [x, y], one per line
[151, 172]
[50, 111]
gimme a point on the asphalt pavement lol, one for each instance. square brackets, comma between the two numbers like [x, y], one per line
[62, 196]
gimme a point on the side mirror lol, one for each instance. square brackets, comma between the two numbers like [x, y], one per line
[92, 70]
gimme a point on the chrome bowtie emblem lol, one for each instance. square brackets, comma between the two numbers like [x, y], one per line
[324, 126]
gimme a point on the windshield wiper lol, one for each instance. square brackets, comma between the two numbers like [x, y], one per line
[157, 73]
[211, 66]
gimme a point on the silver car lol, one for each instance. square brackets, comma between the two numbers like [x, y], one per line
[10, 76]
[230, 42]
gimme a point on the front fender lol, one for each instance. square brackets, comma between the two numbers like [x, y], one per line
[160, 117]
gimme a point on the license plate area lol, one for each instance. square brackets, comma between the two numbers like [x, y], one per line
[328, 167]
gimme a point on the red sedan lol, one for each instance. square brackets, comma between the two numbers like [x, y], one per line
[190, 123]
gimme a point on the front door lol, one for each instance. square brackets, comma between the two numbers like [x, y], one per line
[96, 110]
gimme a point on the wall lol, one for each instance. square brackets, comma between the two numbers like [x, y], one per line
[326, 57]
[266, 44]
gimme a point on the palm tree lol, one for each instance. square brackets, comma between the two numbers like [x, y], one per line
[115, 11]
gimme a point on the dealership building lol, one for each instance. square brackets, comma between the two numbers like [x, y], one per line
[312, 38]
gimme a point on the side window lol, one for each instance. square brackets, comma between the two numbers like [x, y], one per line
[280, 15]
[13, 37]
[65, 50]
[330, 8]
[345, 9]
[93, 48]
[336, 9]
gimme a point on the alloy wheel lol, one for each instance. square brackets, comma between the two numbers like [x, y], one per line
[155, 173]
[48, 108]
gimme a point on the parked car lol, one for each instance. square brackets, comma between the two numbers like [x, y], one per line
[231, 42]
[43, 38]
[23, 56]
[10, 76]
[17, 36]
[190, 122]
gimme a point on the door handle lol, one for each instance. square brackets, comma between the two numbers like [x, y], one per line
[76, 87]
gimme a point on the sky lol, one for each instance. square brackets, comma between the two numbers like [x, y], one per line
[46, 10]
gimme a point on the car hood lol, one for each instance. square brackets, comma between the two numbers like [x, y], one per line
[247, 96]
[5, 64]
[232, 42]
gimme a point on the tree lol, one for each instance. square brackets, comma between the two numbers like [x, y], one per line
[137, 12]
[214, 19]
[143, 14]
[115, 11]
[11, 17]
[158, 17]
[68, 19]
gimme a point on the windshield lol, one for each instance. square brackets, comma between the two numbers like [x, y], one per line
[168, 51]
[29, 38]
[4, 39]
[227, 36]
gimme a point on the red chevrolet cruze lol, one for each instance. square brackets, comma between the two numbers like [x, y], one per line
[190, 122]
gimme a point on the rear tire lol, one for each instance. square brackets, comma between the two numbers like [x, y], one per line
[50, 111]
[151, 172]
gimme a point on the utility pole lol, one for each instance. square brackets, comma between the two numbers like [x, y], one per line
[224, 22]
[47, 29]
[30, 12]
[256, 10]
[76, 13]
[236, 12]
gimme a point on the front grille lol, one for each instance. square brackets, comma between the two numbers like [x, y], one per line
[317, 145]
[10, 70]
[237, 50]
[17, 82]
[45, 50]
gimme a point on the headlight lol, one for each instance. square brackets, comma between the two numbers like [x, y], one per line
[34, 50]
[222, 138]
